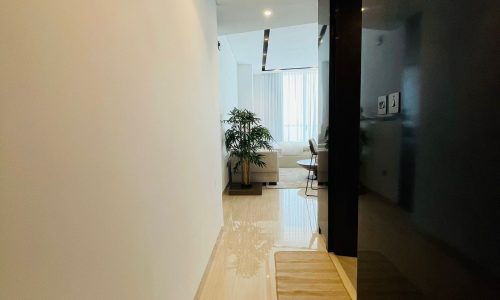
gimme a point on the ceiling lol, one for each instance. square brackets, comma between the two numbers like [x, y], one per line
[247, 48]
[236, 16]
[289, 47]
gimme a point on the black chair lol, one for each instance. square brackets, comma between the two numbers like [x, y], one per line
[313, 166]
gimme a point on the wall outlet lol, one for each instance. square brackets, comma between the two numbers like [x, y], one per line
[394, 103]
[382, 105]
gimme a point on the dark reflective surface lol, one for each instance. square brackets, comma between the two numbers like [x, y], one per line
[429, 218]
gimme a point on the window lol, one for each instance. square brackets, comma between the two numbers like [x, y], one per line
[287, 103]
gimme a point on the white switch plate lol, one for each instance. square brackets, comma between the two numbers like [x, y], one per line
[394, 103]
[382, 105]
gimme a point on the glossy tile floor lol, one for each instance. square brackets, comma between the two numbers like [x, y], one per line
[255, 227]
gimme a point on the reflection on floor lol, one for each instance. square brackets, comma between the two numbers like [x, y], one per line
[391, 250]
[380, 279]
[291, 178]
[255, 227]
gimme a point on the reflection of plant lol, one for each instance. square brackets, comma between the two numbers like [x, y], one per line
[250, 245]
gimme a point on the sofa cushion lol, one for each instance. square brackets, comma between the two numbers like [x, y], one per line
[270, 158]
[293, 148]
[269, 173]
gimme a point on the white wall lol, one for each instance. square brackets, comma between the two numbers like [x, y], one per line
[324, 83]
[228, 78]
[228, 94]
[245, 86]
[109, 143]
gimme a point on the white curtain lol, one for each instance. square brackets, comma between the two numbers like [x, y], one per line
[300, 105]
[287, 103]
[268, 102]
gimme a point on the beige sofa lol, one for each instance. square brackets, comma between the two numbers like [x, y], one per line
[291, 152]
[268, 174]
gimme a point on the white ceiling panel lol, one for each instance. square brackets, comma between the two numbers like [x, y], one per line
[289, 47]
[247, 48]
[293, 47]
[236, 16]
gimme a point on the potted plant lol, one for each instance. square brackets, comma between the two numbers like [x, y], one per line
[244, 138]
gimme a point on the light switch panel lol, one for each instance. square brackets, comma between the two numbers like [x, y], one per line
[394, 103]
[382, 105]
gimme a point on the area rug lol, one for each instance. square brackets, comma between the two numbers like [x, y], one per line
[292, 178]
[307, 275]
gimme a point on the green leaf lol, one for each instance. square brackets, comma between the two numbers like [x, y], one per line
[246, 137]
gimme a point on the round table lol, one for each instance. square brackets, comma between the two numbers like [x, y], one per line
[306, 164]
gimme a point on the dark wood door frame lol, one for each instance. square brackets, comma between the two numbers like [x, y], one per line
[344, 110]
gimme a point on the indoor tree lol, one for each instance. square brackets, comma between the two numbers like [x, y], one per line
[244, 138]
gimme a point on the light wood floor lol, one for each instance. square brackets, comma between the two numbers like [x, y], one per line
[308, 275]
[255, 227]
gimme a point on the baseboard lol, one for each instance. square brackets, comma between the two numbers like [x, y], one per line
[209, 265]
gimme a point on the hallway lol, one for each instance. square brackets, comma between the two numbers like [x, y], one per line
[255, 227]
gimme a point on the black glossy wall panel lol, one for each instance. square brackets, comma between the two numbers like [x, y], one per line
[435, 222]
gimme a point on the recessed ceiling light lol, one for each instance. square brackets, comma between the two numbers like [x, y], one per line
[268, 12]
[363, 9]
